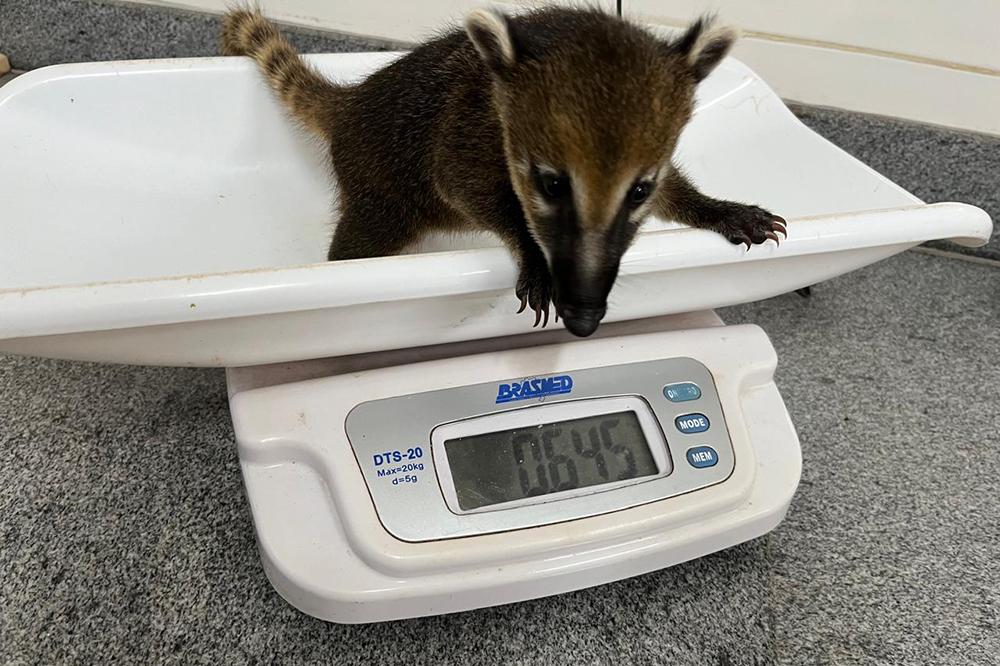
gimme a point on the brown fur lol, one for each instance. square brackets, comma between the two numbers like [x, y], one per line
[311, 98]
[463, 131]
[616, 121]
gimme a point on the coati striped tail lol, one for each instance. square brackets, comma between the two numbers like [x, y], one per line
[308, 96]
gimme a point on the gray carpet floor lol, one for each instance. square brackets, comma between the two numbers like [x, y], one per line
[125, 535]
[35, 34]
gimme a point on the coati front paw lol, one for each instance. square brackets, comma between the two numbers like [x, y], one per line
[751, 225]
[534, 289]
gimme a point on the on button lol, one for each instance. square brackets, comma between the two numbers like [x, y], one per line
[681, 392]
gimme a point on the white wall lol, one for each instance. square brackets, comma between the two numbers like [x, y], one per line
[401, 20]
[965, 32]
[926, 60]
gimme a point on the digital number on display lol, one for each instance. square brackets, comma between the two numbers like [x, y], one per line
[509, 465]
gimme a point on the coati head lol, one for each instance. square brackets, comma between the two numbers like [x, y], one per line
[591, 107]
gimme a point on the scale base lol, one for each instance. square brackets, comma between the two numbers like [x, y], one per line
[326, 552]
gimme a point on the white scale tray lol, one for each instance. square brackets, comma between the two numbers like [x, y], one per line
[167, 213]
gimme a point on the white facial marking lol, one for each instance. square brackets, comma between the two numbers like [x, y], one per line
[595, 208]
[590, 253]
[653, 179]
[538, 242]
[540, 204]
[637, 215]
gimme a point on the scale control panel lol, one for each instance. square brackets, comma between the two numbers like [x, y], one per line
[524, 452]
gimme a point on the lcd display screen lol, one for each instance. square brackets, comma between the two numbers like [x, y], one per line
[508, 465]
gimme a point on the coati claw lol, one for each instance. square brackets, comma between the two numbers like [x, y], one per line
[778, 224]
[542, 315]
[738, 239]
[750, 225]
[535, 292]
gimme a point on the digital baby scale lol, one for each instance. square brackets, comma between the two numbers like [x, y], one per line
[480, 479]
[409, 445]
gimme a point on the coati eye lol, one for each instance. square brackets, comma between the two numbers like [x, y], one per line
[638, 193]
[553, 186]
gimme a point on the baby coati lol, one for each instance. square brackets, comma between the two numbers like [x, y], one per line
[554, 130]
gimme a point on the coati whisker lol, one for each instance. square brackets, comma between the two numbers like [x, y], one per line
[553, 130]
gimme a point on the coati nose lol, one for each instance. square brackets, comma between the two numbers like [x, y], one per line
[582, 321]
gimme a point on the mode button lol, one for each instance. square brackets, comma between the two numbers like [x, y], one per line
[691, 423]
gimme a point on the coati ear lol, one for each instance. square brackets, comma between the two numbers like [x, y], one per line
[704, 45]
[490, 33]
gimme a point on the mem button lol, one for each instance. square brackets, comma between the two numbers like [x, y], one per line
[702, 456]
[681, 392]
[691, 423]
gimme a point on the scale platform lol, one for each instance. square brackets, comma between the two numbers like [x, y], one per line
[409, 445]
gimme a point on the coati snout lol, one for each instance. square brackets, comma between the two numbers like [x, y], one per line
[554, 130]
[583, 248]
